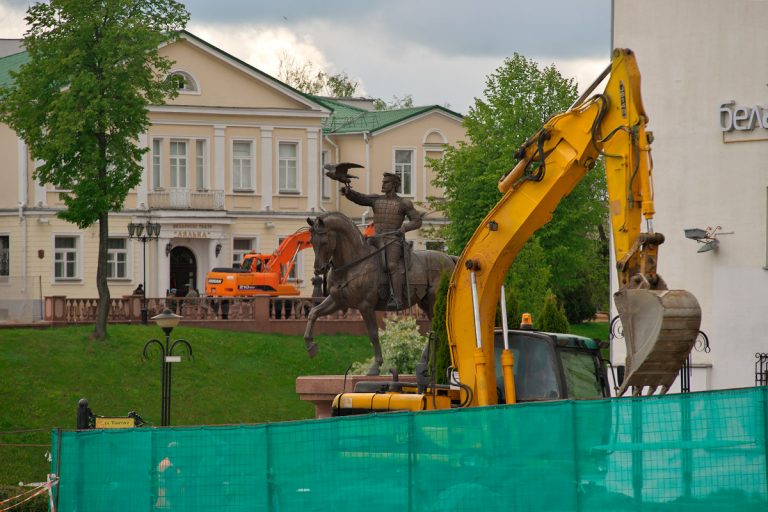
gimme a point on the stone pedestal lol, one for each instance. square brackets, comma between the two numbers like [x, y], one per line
[322, 389]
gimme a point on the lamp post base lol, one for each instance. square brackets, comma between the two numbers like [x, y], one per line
[144, 316]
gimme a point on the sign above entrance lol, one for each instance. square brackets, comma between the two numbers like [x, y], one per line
[192, 230]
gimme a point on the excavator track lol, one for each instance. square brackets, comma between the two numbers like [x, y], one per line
[660, 329]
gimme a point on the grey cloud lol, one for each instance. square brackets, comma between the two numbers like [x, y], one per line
[568, 28]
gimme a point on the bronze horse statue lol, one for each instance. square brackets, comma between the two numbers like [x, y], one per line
[355, 276]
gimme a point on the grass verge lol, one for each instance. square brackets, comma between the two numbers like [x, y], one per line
[233, 378]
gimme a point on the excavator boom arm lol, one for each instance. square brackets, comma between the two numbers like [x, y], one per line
[552, 162]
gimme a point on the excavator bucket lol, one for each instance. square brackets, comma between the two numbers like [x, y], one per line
[660, 328]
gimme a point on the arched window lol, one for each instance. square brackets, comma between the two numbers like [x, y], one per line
[184, 81]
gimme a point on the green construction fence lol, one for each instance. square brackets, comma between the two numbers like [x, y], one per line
[689, 452]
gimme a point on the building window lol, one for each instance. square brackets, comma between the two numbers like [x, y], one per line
[288, 167]
[241, 247]
[404, 169]
[65, 257]
[326, 181]
[5, 256]
[184, 81]
[117, 258]
[242, 165]
[157, 155]
[178, 164]
[201, 164]
[294, 274]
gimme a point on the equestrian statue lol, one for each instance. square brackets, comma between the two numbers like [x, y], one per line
[380, 273]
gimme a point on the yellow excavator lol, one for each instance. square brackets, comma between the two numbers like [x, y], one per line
[660, 325]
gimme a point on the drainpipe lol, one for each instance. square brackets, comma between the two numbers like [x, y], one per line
[23, 198]
[335, 159]
[23, 222]
[366, 138]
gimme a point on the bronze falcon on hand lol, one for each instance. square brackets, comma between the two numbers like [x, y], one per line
[339, 172]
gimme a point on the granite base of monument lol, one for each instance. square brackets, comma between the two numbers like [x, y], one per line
[322, 389]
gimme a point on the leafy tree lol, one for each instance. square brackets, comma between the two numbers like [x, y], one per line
[396, 103]
[80, 103]
[518, 99]
[341, 86]
[304, 77]
[530, 277]
[442, 350]
[551, 317]
[513, 307]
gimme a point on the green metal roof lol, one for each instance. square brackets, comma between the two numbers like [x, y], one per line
[349, 119]
[11, 63]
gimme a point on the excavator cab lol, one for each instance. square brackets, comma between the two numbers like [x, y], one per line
[552, 366]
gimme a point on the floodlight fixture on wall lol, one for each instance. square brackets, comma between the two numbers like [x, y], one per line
[695, 233]
[706, 237]
[708, 246]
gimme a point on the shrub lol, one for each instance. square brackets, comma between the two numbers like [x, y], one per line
[443, 351]
[551, 317]
[401, 346]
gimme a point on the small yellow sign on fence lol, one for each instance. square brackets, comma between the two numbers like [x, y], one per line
[115, 422]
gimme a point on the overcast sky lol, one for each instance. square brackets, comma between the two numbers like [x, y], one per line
[439, 51]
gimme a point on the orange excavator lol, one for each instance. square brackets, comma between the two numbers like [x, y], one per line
[260, 274]
[263, 274]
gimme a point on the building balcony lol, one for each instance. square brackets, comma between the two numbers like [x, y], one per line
[185, 199]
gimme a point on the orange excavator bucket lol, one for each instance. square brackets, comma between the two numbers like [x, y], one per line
[660, 329]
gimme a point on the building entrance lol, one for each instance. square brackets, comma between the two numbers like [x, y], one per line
[183, 269]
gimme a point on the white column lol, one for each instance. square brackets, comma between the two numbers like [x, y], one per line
[213, 260]
[23, 172]
[143, 187]
[219, 160]
[313, 171]
[162, 267]
[40, 199]
[266, 168]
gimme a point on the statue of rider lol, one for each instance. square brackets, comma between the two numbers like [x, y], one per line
[389, 214]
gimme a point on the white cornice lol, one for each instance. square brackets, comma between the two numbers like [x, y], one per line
[271, 127]
[235, 111]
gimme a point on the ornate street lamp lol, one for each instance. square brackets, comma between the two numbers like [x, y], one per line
[144, 233]
[167, 320]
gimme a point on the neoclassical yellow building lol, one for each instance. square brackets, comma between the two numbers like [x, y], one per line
[234, 165]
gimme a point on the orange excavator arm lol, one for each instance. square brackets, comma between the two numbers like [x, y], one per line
[284, 258]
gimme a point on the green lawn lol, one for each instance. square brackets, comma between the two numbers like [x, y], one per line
[233, 378]
[595, 330]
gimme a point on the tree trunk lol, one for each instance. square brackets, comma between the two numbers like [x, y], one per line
[102, 312]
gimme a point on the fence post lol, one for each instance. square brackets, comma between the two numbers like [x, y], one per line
[576, 469]
[764, 401]
[411, 460]
[83, 414]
